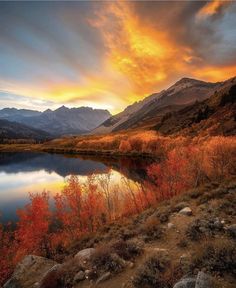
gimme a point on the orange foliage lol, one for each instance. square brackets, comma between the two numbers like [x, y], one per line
[82, 208]
[125, 146]
[33, 226]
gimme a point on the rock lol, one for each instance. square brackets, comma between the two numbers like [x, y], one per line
[50, 274]
[217, 224]
[129, 264]
[180, 206]
[29, 271]
[90, 274]
[103, 278]
[80, 276]
[186, 211]
[85, 254]
[170, 225]
[232, 230]
[203, 280]
[186, 283]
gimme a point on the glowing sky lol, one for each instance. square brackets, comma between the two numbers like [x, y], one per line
[110, 54]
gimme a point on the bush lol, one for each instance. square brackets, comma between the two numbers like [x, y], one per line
[203, 227]
[218, 257]
[182, 243]
[163, 213]
[104, 260]
[151, 229]
[155, 272]
[127, 250]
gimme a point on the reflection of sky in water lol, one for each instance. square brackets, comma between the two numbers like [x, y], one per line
[15, 185]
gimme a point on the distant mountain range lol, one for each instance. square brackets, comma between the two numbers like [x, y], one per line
[181, 106]
[148, 111]
[14, 130]
[62, 121]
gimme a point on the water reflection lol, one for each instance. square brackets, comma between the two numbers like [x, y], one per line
[21, 173]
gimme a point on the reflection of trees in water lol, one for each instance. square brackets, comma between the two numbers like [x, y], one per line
[132, 168]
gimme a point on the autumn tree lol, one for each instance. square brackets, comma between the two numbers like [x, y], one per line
[33, 226]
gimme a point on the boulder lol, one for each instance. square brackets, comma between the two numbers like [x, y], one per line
[188, 282]
[29, 271]
[186, 211]
[52, 275]
[180, 206]
[232, 230]
[80, 276]
[85, 254]
[203, 280]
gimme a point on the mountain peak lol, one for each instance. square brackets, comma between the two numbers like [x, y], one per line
[62, 108]
[47, 111]
[186, 80]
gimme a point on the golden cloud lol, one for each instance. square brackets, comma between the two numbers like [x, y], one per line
[213, 7]
[139, 59]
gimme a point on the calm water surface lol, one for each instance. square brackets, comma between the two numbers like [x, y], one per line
[27, 172]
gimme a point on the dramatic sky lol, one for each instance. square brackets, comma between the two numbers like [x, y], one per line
[110, 54]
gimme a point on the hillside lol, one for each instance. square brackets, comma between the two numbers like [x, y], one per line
[182, 93]
[12, 130]
[187, 239]
[212, 116]
[62, 121]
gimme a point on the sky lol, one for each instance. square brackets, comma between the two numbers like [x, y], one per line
[108, 55]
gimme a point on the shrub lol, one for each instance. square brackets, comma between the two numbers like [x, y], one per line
[127, 250]
[163, 213]
[151, 229]
[217, 256]
[155, 272]
[201, 227]
[183, 243]
[193, 231]
[106, 261]
[125, 146]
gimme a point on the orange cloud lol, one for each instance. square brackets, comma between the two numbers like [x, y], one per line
[139, 59]
[212, 7]
[147, 58]
[214, 73]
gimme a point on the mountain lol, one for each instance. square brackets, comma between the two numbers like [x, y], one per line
[14, 130]
[182, 93]
[213, 116]
[62, 121]
[13, 114]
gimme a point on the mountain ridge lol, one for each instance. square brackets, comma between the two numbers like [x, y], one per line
[14, 130]
[183, 92]
[58, 122]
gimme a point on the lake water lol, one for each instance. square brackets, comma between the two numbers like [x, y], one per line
[28, 172]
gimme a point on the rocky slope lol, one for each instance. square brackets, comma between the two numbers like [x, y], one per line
[62, 121]
[187, 241]
[182, 93]
[213, 116]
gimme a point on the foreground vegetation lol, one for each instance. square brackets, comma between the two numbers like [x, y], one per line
[82, 209]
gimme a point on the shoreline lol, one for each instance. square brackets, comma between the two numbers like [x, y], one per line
[12, 148]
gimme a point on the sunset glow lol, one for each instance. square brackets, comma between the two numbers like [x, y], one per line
[110, 54]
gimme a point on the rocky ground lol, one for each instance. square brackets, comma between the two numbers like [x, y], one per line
[185, 242]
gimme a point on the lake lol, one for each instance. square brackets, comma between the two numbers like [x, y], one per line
[29, 172]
